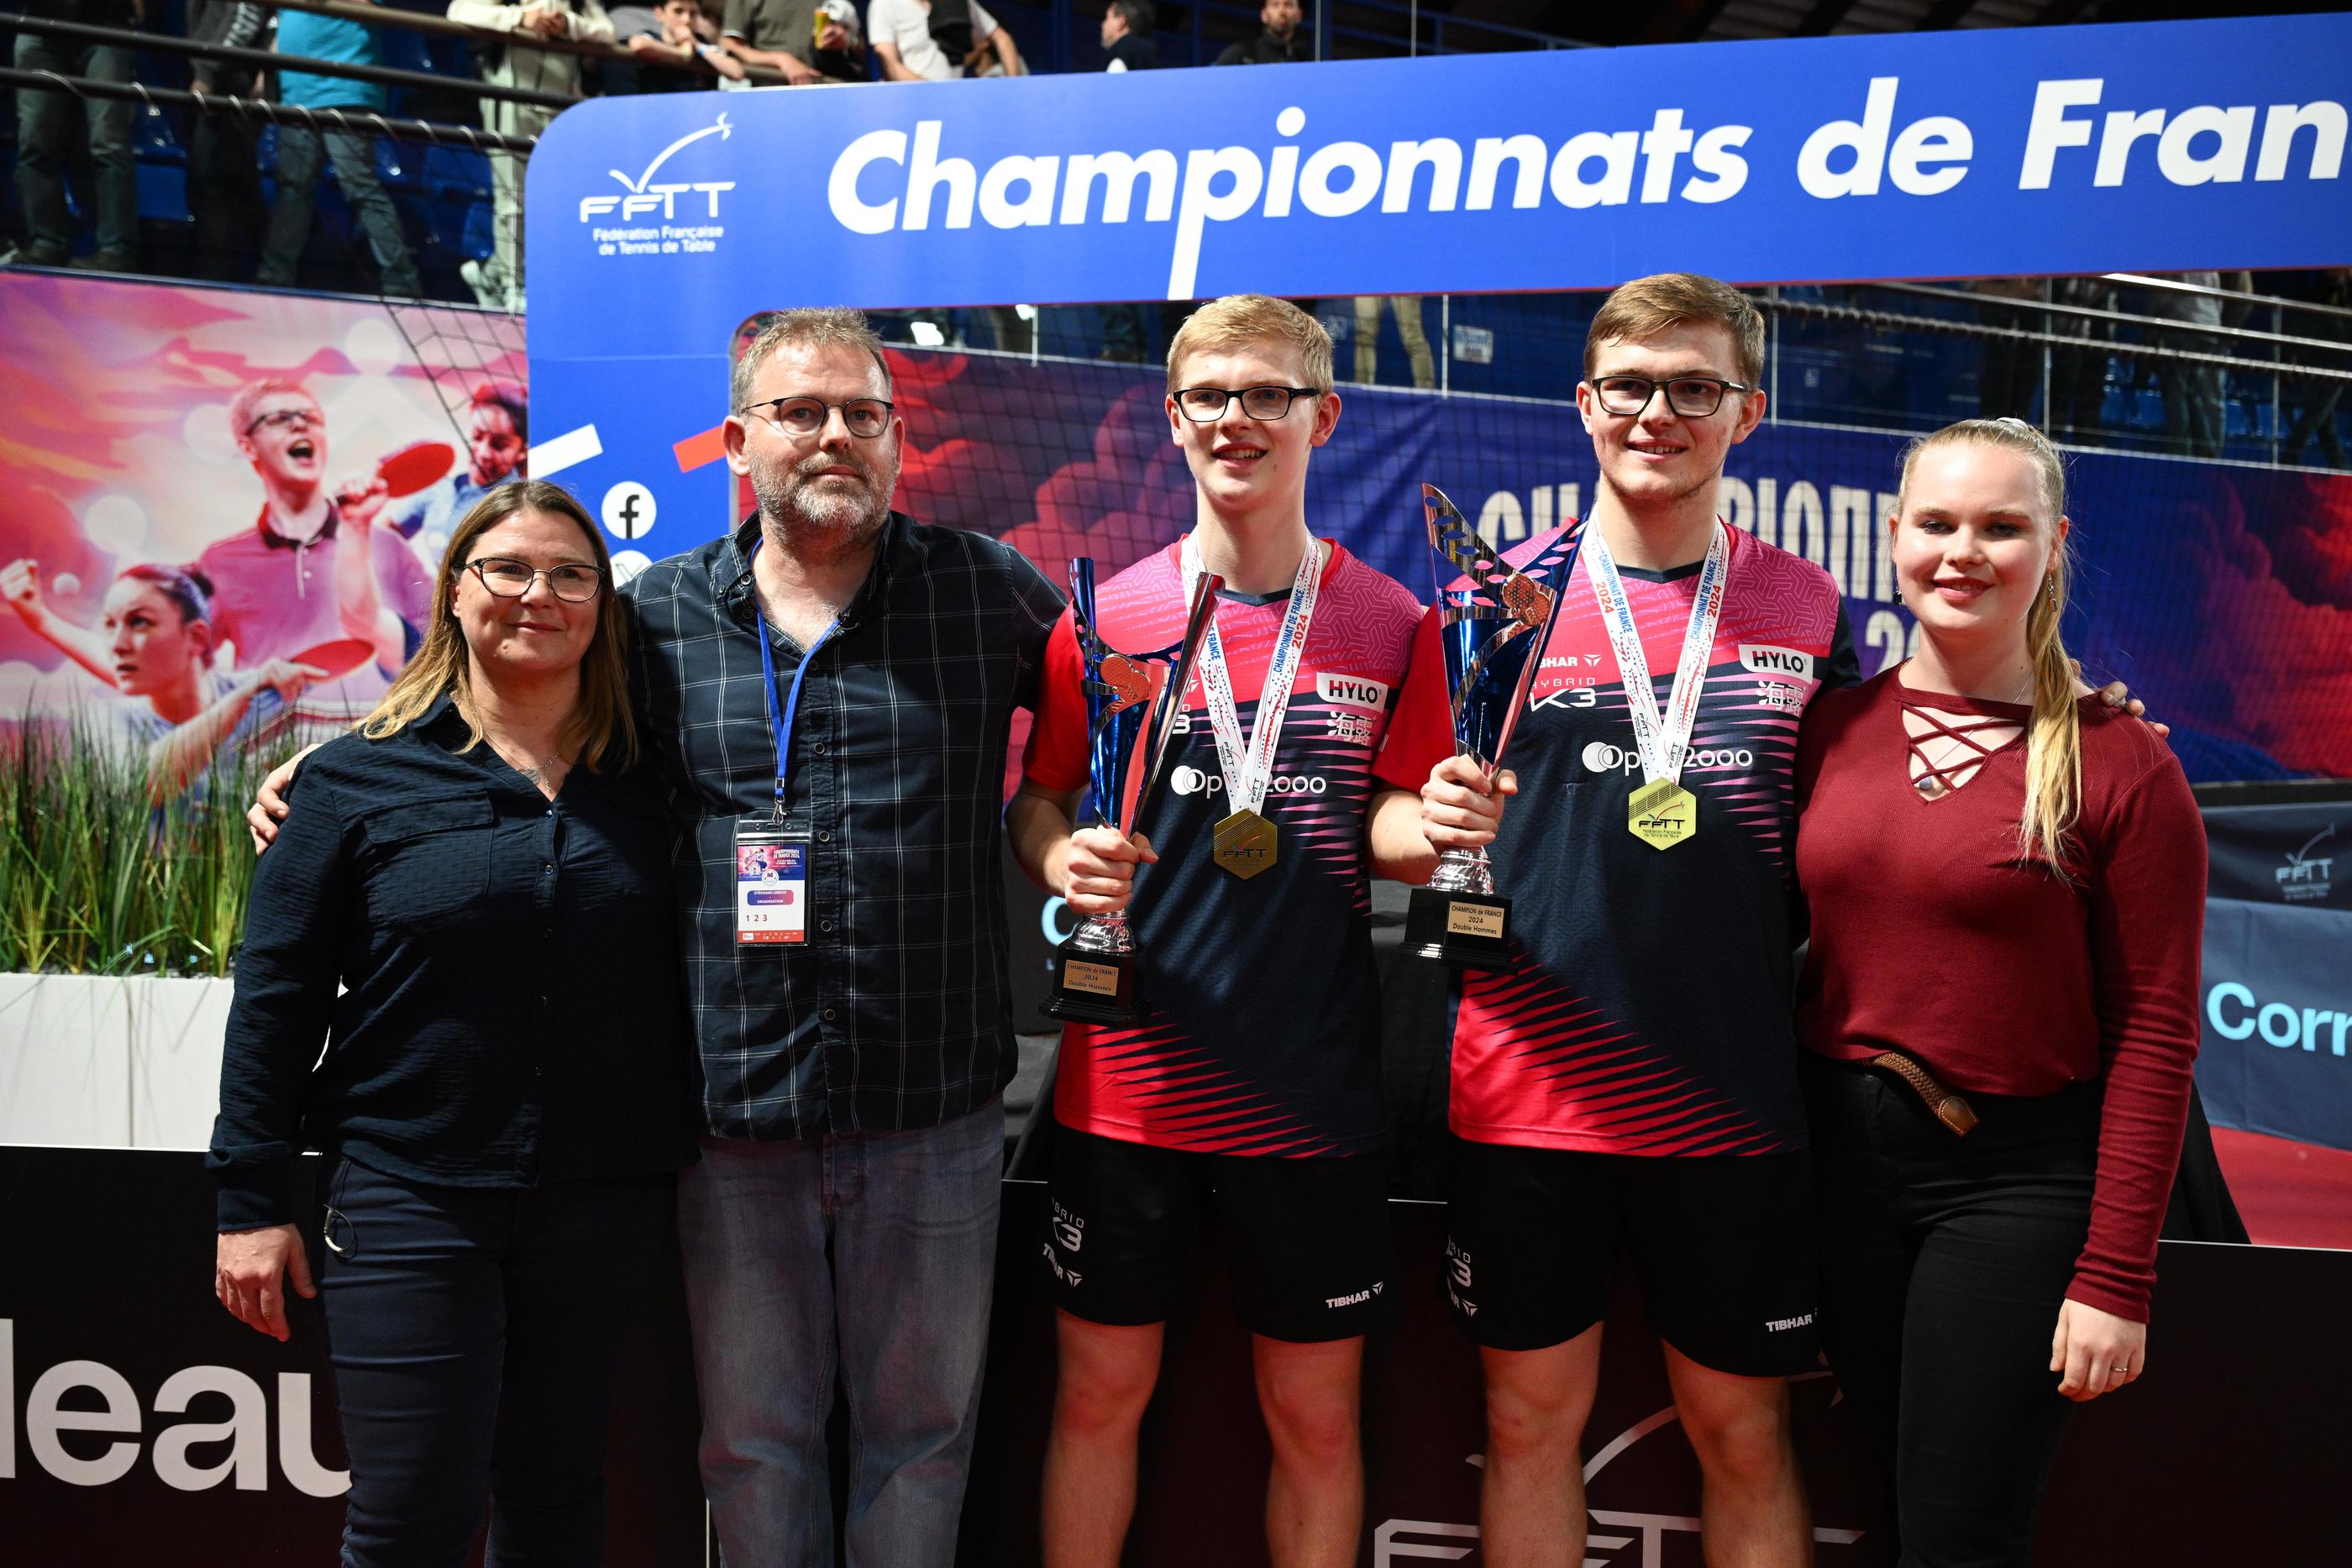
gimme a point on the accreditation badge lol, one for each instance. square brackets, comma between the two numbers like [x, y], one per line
[770, 882]
[1662, 814]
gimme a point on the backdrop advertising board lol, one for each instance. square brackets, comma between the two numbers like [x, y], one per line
[2223, 595]
[152, 429]
[2276, 1055]
[1983, 152]
[140, 1424]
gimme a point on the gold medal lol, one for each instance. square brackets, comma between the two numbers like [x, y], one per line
[1662, 814]
[1245, 844]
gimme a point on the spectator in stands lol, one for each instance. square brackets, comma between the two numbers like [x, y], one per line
[2078, 377]
[1126, 28]
[497, 436]
[45, 137]
[2192, 391]
[497, 280]
[1127, 37]
[1407, 309]
[301, 150]
[1281, 43]
[2013, 366]
[809, 41]
[224, 165]
[2316, 402]
[683, 35]
[940, 40]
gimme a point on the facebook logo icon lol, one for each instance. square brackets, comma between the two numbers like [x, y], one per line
[628, 509]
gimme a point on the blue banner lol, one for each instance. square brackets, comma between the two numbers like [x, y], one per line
[1983, 152]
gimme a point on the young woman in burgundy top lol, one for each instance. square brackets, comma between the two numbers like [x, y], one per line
[2006, 882]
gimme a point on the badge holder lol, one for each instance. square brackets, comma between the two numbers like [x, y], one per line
[770, 882]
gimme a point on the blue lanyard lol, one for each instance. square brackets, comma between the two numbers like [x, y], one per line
[781, 723]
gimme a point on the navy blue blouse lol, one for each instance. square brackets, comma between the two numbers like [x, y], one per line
[513, 1011]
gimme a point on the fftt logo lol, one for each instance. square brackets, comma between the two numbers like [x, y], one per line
[644, 196]
[2305, 876]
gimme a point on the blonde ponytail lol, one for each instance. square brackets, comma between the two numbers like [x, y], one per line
[2053, 737]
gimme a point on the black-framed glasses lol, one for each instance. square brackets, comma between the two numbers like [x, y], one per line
[865, 417]
[1202, 404]
[511, 579]
[1693, 397]
[287, 418]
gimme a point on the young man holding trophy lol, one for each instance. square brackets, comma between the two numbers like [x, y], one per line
[1623, 1069]
[1227, 1055]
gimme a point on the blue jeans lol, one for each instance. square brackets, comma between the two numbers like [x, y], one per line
[300, 153]
[878, 1252]
[475, 1334]
[44, 128]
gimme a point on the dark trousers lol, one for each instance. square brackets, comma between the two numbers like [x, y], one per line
[1944, 1261]
[301, 153]
[224, 195]
[475, 1334]
[46, 124]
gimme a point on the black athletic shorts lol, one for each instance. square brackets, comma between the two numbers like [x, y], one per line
[1312, 1258]
[1723, 1246]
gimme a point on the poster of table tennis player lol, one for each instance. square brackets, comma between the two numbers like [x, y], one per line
[222, 511]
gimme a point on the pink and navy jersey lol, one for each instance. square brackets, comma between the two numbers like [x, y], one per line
[1259, 1031]
[1647, 1007]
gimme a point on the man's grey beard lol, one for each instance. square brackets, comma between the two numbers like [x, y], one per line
[792, 499]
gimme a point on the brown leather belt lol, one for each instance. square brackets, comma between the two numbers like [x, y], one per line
[1949, 1107]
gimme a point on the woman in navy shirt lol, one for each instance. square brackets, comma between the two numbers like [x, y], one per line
[482, 870]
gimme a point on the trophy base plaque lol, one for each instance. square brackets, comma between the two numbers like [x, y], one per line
[1464, 930]
[1093, 987]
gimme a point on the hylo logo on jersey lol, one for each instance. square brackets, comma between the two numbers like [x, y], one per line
[1352, 690]
[1763, 659]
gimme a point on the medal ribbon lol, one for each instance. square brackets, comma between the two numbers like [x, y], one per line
[1663, 741]
[1248, 763]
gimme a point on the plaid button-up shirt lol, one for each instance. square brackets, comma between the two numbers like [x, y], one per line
[895, 1014]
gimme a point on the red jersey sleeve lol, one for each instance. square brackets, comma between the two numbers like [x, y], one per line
[1055, 755]
[1421, 733]
[2148, 922]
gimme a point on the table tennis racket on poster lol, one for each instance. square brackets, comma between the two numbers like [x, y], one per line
[338, 658]
[415, 465]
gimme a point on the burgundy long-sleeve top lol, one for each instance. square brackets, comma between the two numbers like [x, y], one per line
[1934, 936]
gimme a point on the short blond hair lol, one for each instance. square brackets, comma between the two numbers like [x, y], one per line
[1245, 320]
[829, 327]
[1637, 311]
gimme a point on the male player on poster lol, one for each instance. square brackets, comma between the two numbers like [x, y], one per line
[1250, 1082]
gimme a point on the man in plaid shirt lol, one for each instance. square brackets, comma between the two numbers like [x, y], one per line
[847, 1201]
[844, 1208]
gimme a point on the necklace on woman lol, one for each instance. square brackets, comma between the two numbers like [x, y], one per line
[546, 773]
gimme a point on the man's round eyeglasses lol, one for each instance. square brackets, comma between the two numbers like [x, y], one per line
[1693, 397]
[512, 579]
[1202, 404]
[865, 417]
[287, 418]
